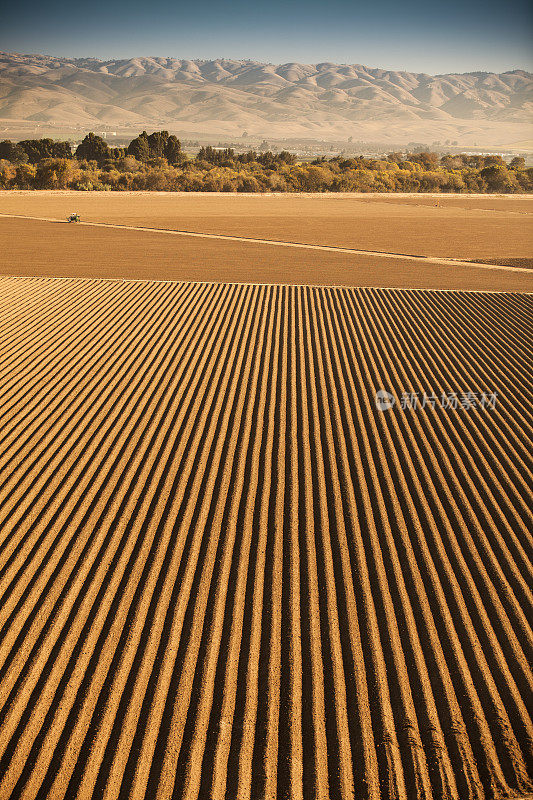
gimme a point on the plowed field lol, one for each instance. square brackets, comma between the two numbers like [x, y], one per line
[225, 573]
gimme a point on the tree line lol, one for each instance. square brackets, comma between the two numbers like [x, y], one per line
[157, 162]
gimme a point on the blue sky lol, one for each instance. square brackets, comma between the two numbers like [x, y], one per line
[455, 36]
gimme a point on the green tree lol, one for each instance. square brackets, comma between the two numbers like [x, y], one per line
[425, 159]
[37, 149]
[286, 158]
[93, 148]
[139, 147]
[12, 152]
[205, 154]
[53, 173]
[61, 150]
[213, 155]
[8, 172]
[525, 179]
[25, 176]
[157, 142]
[248, 157]
[172, 151]
[496, 177]
[450, 162]
[490, 161]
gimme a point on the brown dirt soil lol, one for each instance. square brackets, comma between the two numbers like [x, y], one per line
[465, 227]
[510, 262]
[513, 203]
[33, 248]
[225, 574]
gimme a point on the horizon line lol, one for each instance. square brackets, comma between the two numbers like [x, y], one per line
[265, 63]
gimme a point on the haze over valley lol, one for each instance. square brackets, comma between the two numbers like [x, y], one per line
[229, 97]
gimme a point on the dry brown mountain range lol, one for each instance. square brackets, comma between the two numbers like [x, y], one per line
[317, 101]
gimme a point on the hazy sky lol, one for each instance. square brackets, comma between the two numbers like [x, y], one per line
[452, 36]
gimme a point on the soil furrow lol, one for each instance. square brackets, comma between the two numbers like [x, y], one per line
[227, 571]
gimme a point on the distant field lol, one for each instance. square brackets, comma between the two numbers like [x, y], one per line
[496, 230]
[465, 227]
[224, 573]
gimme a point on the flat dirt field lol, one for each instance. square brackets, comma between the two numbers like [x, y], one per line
[466, 228]
[226, 573]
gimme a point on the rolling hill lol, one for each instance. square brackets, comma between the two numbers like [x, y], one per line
[223, 96]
